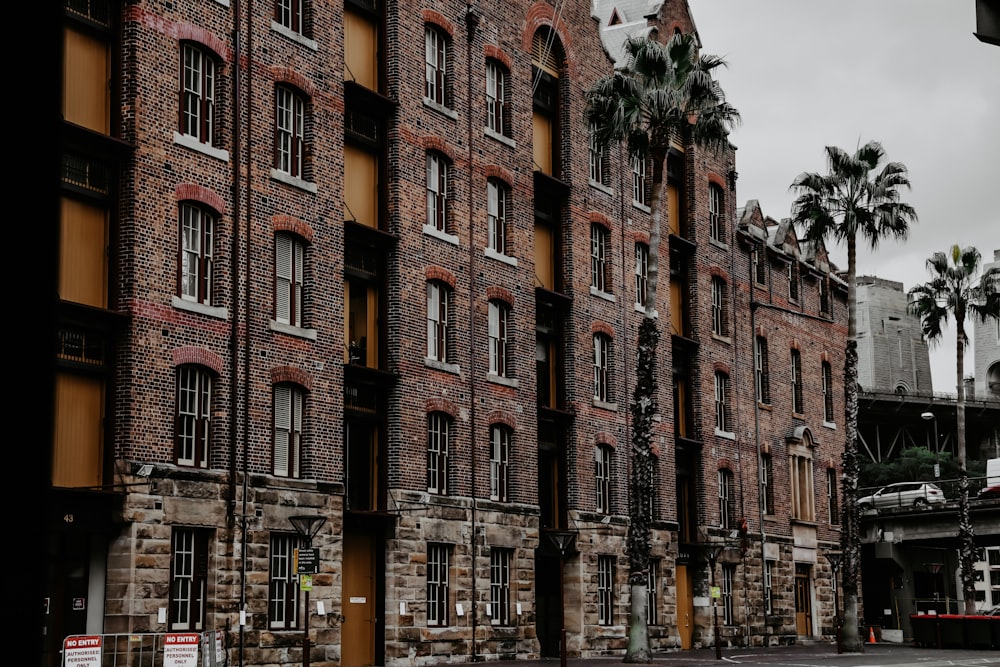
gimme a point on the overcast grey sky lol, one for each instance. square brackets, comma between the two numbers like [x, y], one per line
[910, 74]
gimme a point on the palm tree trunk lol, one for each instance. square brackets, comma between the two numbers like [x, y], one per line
[966, 535]
[849, 536]
[644, 408]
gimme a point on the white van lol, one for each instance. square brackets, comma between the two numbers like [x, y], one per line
[993, 472]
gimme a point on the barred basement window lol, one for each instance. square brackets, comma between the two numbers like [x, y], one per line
[500, 586]
[605, 589]
[438, 557]
[283, 591]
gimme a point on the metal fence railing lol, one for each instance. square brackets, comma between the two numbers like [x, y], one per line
[149, 649]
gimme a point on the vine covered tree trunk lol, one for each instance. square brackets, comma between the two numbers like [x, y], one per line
[966, 534]
[850, 533]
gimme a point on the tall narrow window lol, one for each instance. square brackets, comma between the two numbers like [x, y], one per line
[600, 171]
[827, 372]
[727, 499]
[600, 267]
[499, 321]
[728, 608]
[497, 198]
[803, 499]
[500, 586]
[198, 111]
[720, 305]
[653, 593]
[758, 259]
[767, 484]
[288, 411]
[641, 273]
[437, 192]
[438, 432]
[438, 558]
[436, 60]
[289, 274]
[438, 295]
[496, 98]
[283, 592]
[716, 221]
[639, 181]
[825, 303]
[762, 371]
[500, 436]
[602, 478]
[290, 134]
[722, 420]
[768, 594]
[605, 589]
[602, 368]
[793, 281]
[197, 253]
[188, 579]
[832, 506]
[798, 398]
[194, 416]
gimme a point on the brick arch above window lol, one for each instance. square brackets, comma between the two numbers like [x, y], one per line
[499, 173]
[825, 356]
[602, 328]
[606, 439]
[795, 345]
[289, 76]
[440, 273]
[641, 237]
[596, 217]
[438, 20]
[441, 405]
[801, 435]
[494, 293]
[761, 331]
[543, 15]
[291, 375]
[725, 464]
[719, 272]
[502, 417]
[497, 54]
[287, 223]
[199, 356]
[721, 367]
[715, 179]
[200, 194]
[193, 33]
[439, 145]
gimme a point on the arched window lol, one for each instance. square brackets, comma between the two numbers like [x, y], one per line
[288, 413]
[193, 438]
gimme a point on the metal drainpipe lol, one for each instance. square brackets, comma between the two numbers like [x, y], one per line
[472, 19]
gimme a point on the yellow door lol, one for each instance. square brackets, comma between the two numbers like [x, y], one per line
[803, 603]
[357, 637]
[685, 607]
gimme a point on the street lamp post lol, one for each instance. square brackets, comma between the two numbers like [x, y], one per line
[712, 552]
[563, 541]
[307, 526]
[835, 558]
[937, 450]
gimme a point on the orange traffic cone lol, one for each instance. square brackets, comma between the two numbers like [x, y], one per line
[871, 635]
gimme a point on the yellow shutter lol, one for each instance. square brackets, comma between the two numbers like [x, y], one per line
[544, 264]
[542, 142]
[83, 267]
[360, 186]
[360, 51]
[86, 75]
[77, 454]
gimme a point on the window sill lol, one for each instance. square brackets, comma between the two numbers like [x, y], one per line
[601, 294]
[442, 366]
[798, 415]
[200, 308]
[294, 36]
[765, 406]
[430, 104]
[607, 189]
[639, 308]
[722, 339]
[803, 522]
[298, 332]
[501, 380]
[758, 285]
[726, 435]
[493, 254]
[604, 405]
[502, 138]
[438, 234]
[641, 207]
[187, 141]
[830, 425]
[295, 182]
[721, 245]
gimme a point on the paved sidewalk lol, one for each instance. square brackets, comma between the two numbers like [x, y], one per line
[799, 655]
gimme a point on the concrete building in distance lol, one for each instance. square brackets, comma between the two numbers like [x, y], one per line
[986, 348]
[346, 341]
[892, 354]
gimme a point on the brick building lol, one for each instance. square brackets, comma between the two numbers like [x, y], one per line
[303, 274]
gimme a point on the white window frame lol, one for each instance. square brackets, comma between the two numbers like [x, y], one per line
[499, 327]
[197, 252]
[500, 564]
[436, 66]
[602, 478]
[438, 435]
[289, 277]
[500, 440]
[641, 274]
[283, 589]
[722, 424]
[198, 112]
[290, 129]
[288, 414]
[437, 320]
[496, 101]
[194, 416]
[437, 192]
[438, 573]
[716, 229]
[496, 212]
[291, 14]
[599, 265]
[605, 589]
[602, 368]
[639, 181]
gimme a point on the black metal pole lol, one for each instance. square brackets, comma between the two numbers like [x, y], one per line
[836, 611]
[305, 642]
[562, 612]
[715, 614]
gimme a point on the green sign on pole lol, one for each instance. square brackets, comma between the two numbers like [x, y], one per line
[716, 592]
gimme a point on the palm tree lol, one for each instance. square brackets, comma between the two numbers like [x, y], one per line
[954, 291]
[855, 198]
[663, 91]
